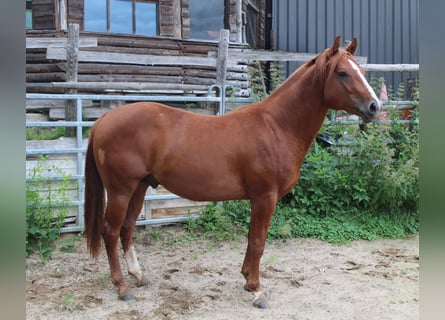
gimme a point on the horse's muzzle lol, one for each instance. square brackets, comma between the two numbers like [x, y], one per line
[374, 109]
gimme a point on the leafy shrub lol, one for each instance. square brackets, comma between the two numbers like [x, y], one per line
[215, 222]
[45, 208]
[367, 189]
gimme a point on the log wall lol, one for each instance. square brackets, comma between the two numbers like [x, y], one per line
[42, 71]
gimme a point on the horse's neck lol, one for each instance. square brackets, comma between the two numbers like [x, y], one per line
[298, 108]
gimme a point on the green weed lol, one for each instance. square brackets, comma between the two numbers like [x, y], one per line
[69, 243]
[44, 133]
[46, 208]
[68, 302]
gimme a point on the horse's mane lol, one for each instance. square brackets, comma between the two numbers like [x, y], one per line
[325, 63]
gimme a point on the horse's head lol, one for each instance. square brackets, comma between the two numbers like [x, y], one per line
[345, 86]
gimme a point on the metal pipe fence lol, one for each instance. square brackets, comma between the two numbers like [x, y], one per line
[216, 94]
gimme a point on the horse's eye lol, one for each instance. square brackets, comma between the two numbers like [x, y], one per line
[342, 74]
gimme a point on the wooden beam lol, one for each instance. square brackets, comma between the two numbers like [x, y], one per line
[248, 55]
[34, 43]
[390, 67]
[221, 62]
[72, 52]
[128, 58]
[127, 86]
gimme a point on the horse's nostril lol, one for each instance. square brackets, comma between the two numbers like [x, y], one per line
[373, 108]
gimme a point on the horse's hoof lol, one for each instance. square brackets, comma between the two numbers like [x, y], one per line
[261, 304]
[127, 297]
[260, 301]
[143, 283]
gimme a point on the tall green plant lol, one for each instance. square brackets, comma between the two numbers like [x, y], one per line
[258, 79]
[46, 207]
[378, 172]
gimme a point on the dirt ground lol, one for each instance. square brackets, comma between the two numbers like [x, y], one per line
[303, 278]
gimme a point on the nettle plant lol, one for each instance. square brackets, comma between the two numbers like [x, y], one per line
[46, 207]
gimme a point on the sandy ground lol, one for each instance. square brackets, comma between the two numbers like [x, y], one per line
[303, 278]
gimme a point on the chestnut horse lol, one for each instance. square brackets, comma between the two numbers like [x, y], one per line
[253, 153]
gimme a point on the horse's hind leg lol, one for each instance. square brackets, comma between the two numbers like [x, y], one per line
[134, 208]
[114, 218]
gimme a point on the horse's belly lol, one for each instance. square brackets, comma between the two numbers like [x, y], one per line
[204, 186]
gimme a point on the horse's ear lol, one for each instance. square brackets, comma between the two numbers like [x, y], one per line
[334, 48]
[352, 47]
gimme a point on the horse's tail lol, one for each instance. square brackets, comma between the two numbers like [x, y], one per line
[94, 201]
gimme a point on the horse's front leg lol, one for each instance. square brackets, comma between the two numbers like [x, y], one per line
[262, 209]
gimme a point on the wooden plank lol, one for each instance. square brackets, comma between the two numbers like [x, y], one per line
[137, 51]
[134, 41]
[200, 81]
[128, 86]
[33, 43]
[108, 68]
[185, 210]
[390, 67]
[173, 78]
[40, 87]
[200, 73]
[238, 76]
[247, 55]
[111, 57]
[45, 77]
[88, 113]
[61, 143]
[45, 67]
[237, 67]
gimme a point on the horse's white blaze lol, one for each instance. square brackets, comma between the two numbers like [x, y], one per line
[365, 82]
[132, 262]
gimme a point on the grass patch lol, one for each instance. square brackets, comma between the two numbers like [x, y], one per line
[50, 133]
[230, 221]
[44, 133]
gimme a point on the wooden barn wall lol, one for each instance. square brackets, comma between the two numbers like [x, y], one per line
[185, 16]
[75, 12]
[44, 14]
[41, 71]
[51, 14]
[387, 30]
[170, 18]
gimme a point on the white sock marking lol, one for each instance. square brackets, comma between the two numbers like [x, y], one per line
[132, 262]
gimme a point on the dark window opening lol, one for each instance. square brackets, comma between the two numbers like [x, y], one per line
[252, 25]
